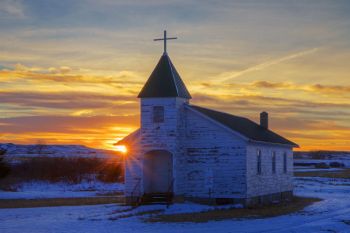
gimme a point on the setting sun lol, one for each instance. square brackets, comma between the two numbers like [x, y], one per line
[121, 148]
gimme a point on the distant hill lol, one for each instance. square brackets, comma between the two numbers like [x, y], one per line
[322, 157]
[20, 151]
[321, 154]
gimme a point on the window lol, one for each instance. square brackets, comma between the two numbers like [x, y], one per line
[158, 114]
[285, 162]
[273, 162]
[258, 162]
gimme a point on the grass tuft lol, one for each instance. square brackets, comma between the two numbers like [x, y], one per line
[297, 204]
[71, 170]
[30, 203]
[347, 222]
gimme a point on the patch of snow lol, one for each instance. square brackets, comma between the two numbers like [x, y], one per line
[311, 169]
[36, 190]
[328, 215]
[194, 208]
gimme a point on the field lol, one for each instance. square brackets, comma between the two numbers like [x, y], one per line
[297, 204]
[323, 205]
[332, 214]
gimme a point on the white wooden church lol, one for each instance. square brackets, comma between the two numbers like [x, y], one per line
[187, 152]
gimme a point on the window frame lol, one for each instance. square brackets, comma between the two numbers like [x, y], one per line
[273, 162]
[158, 114]
[258, 162]
[285, 167]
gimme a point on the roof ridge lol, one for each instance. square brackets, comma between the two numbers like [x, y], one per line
[245, 126]
[223, 113]
[172, 73]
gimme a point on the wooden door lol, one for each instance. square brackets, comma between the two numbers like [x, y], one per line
[158, 172]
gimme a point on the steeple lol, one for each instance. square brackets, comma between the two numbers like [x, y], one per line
[164, 81]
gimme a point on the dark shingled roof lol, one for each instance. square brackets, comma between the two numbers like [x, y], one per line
[164, 82]
[244, 126]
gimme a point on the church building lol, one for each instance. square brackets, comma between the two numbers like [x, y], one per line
[188, 152]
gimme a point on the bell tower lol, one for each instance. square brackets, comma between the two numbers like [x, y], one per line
[162, 102]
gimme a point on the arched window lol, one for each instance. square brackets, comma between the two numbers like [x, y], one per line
[273, 162]
[258, 162]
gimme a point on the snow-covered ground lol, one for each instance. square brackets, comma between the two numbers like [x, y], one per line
[326, 157]
[37, 190]
[330, 215]
[312, 169]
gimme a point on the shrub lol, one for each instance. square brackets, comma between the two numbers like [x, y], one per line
[322, 165]
[71, 170]
[111, 172]
[336, 164]
[4, 168]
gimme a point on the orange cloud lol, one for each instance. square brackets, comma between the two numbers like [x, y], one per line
[82, 115]
[94, 131]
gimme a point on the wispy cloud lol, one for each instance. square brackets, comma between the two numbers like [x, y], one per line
[94, 131]
[12, 9]
[332, 89]
[66, 74]
[62, 58]
[74, 102]
[257, 102]
[264, 65]
[317, 89]
[336, 90]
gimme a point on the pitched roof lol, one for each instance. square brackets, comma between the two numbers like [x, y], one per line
[244, 126]
[164, 81]
[130, 139]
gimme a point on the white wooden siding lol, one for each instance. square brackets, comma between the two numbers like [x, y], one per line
[268, 182]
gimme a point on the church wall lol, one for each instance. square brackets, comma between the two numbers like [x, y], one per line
[268, 182]
[209, 161]
[133, 170]
[212, 162]
[161, 136]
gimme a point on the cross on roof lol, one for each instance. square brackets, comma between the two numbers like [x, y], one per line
[165, 39]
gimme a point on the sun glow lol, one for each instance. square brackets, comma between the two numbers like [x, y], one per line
[121, 148]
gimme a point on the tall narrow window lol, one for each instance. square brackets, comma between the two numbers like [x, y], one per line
[273, 162]
[285, 162]
[258, 162]
[158, 114]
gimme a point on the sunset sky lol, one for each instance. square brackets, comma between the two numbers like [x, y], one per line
[70, 70]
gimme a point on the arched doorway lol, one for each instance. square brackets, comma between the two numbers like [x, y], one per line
[158, 172]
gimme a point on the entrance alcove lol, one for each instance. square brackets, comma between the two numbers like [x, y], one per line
[158, 172]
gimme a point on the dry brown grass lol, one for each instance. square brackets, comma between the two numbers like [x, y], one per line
[70, 170]
[347, 222]
[344, 173]
[297, 204]
[30, 203]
